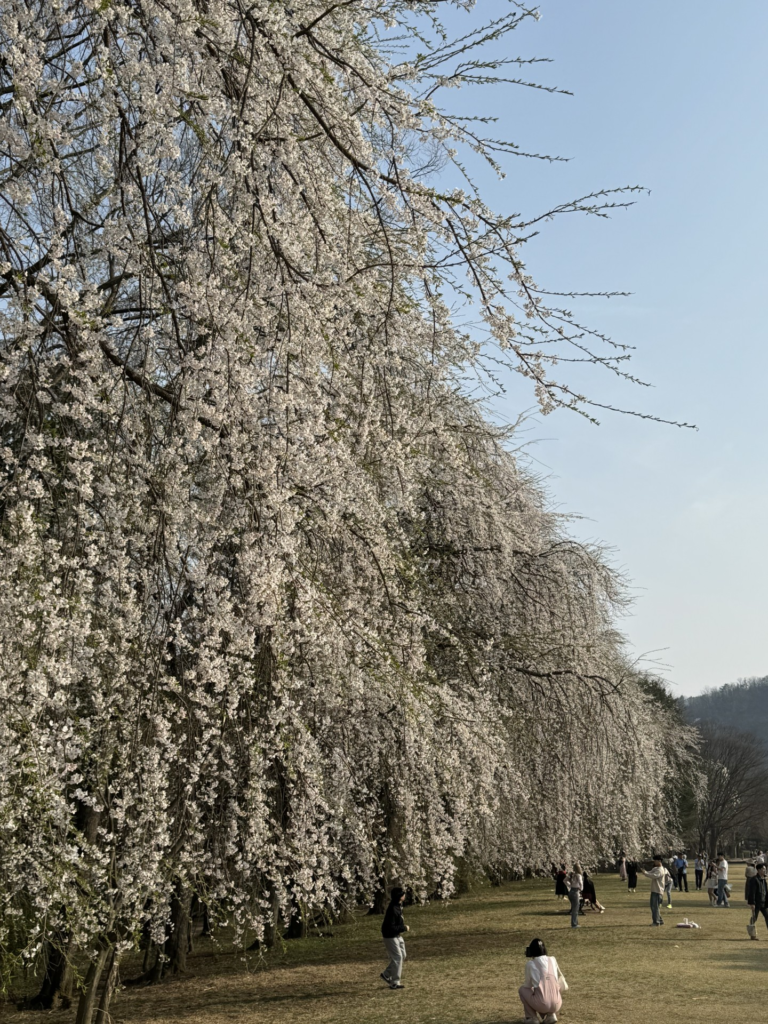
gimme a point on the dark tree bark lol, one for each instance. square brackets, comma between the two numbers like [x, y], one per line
[270, 927]
[88, 997]
[110, 984]
[177, 945]
[380, 899]
[58, 978]
[297, 923]
[199, 912]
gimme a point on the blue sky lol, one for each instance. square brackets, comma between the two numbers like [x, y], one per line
[670, 95]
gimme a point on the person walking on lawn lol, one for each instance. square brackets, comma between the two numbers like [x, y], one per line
[722, 881]
[757, 898]
[658, 876]
[392, 932]
[544, 985]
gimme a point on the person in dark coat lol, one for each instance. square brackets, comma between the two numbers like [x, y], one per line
[589, 896]
[757, 897]
[561, 886]
[392, 931]
[631, 875]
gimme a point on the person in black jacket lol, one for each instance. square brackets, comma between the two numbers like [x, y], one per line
[631, 874]
[392, 932]
[757, 898]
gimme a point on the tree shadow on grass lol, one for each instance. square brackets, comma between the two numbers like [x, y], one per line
[743, 960]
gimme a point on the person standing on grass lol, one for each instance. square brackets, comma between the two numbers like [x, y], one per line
[669, 882]
[671, 867]
[575, 888]
[681, 865]
[757, 898]
[750, 871]
[561, 883]
[622, 867]
[699, 867]
[392, 932]
[658, 876]
[711, 882]
[722, 881]
[544, 985]
[631, 874]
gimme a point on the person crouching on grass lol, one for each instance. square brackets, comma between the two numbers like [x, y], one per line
[544, 985]
[392, 932]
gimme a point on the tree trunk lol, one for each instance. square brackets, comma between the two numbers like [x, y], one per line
[87, 1003]
[379, 898]
[147, 956]
[344, 915]
[58, 978]
[110, 983]
[714, 841]
[270, 926]
[297, 923]
[178, 942]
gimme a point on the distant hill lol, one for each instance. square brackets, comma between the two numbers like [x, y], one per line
[742, 705]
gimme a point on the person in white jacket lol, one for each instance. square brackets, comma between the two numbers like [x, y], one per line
[544, 985]
[658, 876]
[722, 881]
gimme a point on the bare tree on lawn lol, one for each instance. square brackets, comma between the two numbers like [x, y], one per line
[735, 793]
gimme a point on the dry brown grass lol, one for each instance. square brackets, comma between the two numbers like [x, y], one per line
[465, 964]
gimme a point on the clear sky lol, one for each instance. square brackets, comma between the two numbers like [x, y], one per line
[669, 94]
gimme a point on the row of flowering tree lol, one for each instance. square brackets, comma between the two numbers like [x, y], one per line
[281, 617]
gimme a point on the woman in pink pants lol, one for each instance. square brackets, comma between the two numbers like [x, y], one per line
[544, 985]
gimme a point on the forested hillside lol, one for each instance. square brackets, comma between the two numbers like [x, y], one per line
[742, 705]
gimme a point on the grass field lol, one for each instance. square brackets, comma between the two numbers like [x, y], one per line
[466, 961]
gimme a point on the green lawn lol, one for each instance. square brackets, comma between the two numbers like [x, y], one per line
[466, 962]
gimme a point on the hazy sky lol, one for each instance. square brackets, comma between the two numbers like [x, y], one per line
[670, 94]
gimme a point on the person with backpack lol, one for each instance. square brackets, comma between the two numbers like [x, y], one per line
[544, 985]
[392, 931]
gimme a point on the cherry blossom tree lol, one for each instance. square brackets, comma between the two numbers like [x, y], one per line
[282, 618]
